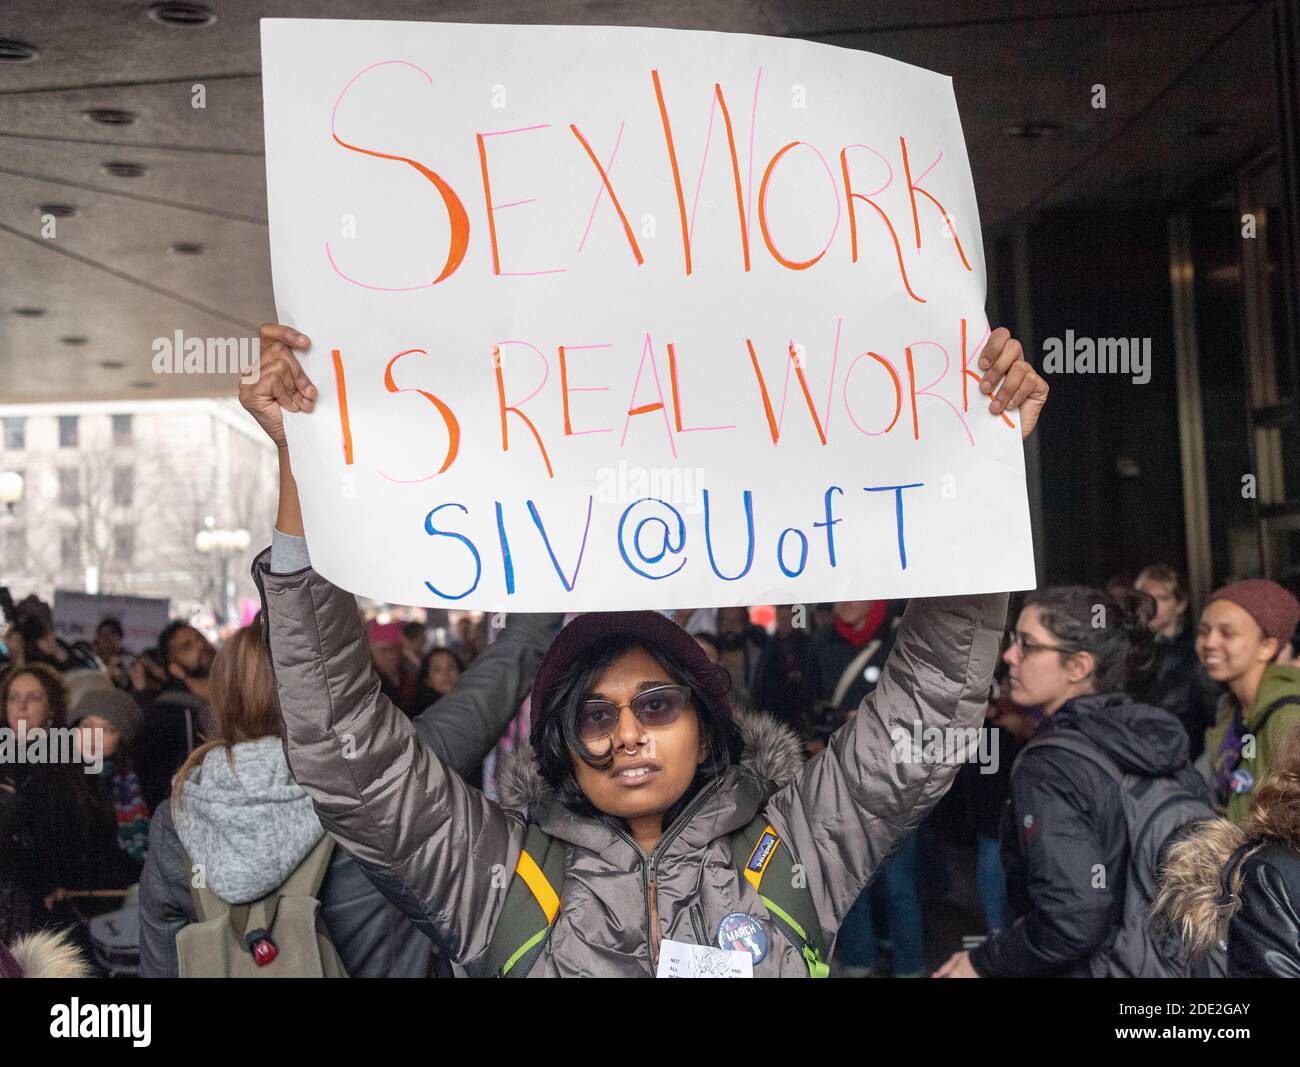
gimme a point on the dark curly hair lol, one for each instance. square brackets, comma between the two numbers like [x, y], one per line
[557, 742]
[1116, 635]
[56, 690]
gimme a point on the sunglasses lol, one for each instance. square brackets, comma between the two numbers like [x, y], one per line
[655, 708]
[1029, 647]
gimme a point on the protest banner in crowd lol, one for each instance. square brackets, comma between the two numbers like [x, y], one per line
[77, 615]
[612, 318]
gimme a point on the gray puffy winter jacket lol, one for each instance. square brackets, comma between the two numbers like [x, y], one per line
[244, 823]
[444, 853]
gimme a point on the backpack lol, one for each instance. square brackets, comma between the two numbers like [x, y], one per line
[532, 902]
[230, 940]
[1157, 812]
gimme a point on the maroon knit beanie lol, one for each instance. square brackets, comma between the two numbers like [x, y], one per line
[1275, 609]
[645, 627]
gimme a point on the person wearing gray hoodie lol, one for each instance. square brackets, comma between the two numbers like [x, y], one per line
[237, 817]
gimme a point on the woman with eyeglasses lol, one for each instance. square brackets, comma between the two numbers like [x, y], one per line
[653, 829]
[1065, 849]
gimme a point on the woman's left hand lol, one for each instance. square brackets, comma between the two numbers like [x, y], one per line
[958, 966]
[1010, 382]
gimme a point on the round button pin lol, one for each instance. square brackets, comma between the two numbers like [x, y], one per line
[743, 933]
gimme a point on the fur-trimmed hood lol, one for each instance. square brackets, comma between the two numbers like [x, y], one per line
[1189, 901]
[1192, 898]
[45, 954]
[772, 754]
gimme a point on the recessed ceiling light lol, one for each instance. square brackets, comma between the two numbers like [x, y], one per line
[59, 211]
[189, 15]
[75, 340]
[12, 51]
[143, 385]
[109, 116]
[1032, 130]
[188, 248]
[125, 170]
[29, 312]
[111, 364]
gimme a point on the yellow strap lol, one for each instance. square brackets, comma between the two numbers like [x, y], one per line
[755, 878]
[533, 877]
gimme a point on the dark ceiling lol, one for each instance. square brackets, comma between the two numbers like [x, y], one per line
[1189, 93]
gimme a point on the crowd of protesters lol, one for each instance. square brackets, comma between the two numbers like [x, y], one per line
[192, 767]
[1129, 785]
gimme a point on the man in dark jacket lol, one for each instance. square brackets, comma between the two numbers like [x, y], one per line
[176, 722]
[849, 657]
[1064, 841]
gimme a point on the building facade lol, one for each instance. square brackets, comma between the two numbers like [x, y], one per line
[114, 494]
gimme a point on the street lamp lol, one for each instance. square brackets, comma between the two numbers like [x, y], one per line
[11, 489]
[225, 543]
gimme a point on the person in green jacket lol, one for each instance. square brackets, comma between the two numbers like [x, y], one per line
[1244, 641]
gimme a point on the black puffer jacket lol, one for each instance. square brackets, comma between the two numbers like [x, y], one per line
[1064, 843]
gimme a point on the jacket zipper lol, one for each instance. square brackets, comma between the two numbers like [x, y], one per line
[697, 922]
[265, 616]
[648, 863]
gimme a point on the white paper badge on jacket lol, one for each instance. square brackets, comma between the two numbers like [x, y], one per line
[680, 960]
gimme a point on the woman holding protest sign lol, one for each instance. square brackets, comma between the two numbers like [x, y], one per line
[649, 820]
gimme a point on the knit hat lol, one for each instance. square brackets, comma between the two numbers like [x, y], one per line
[1270, 605]
[645, 627]
[115, 707]
[384, 633]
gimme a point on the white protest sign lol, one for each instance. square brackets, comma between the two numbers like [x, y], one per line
[680, 960]
[633, 318]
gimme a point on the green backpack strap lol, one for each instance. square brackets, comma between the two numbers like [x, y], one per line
[531, 905]
[309, 875]
[767, 863]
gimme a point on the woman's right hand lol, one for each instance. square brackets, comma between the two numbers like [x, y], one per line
[282, 385]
